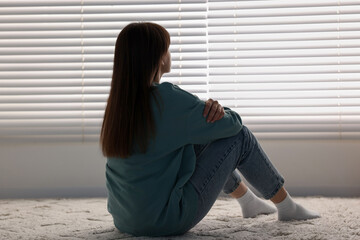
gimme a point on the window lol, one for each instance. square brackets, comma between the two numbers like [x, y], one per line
[289, 68]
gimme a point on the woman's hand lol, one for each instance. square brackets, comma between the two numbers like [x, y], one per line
[214, 109]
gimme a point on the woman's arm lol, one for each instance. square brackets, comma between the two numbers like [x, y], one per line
[199, 131]
[189, 109]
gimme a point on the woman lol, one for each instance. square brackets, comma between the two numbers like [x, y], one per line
[169, 154]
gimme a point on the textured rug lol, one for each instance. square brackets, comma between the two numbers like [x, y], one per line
[89, 219]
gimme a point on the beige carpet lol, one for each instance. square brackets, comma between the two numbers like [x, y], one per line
[89, 219]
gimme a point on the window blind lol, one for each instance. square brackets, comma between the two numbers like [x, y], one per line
[56, 61]
[291, 69]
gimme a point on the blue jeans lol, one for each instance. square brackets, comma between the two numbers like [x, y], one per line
[216, 164]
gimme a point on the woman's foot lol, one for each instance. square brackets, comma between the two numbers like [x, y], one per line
[290, 210]
[252, 206]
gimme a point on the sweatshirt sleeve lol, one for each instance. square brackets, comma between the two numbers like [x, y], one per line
[198, 131]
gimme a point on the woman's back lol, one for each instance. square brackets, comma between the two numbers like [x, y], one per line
[150, 194]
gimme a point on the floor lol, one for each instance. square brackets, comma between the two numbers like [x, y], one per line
[89, 219]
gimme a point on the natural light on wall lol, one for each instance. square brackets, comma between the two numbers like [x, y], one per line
[291, 69]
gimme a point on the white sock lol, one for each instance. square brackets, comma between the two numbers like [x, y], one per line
[290, 210]
[252, 206]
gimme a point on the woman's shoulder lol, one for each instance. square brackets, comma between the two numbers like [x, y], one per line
[165, 85]
[174, 91]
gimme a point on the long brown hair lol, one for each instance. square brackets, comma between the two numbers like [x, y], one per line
[128, 117]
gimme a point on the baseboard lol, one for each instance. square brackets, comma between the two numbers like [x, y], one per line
[80, 192]
[317, 191]
[89, 192]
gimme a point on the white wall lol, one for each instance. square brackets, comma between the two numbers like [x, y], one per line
[329, 168]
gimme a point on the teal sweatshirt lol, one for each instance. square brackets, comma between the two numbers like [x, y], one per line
[150, 194]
